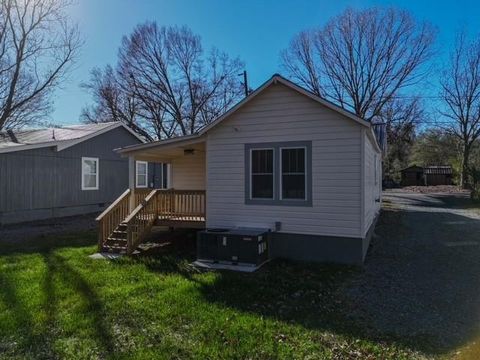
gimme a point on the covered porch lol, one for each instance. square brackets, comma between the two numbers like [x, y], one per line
[180, 203]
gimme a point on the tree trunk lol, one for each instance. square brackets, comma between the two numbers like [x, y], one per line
[464, 173]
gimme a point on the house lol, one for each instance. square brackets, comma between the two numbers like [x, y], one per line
[429, 175]
[55, 172]
[282, 159]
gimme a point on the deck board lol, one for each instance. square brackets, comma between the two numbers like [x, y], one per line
[194, 222]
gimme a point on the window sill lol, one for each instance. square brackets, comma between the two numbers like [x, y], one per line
[275, 202]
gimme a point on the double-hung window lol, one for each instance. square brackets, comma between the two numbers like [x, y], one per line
[278, 173]
[142, 174]
[293, 178]
[262, 186]
[90, 173]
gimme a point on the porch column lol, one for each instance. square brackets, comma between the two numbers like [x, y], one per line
[131, 183]
[169, 176]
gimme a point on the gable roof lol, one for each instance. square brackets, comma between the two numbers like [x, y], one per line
[61, 138]
[278, 79]
[275, 79]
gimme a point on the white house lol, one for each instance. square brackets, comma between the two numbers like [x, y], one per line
[283, 159]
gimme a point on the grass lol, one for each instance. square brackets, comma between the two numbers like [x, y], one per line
[55, 302]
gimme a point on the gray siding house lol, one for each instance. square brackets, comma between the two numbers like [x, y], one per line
[282, 159]
[48, 173]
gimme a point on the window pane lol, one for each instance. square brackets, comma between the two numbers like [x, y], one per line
[293, 186]
[262, 186]
[262, 161]
[90, 181]
[293, 160]
[141, 180]
[262, 174]
[293, 173]
[141, 168]
[89, 167]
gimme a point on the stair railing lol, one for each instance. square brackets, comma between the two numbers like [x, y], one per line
[140, 221]
[111, 217]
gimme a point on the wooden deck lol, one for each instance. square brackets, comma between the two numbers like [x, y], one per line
[186, 222]
[172, 208]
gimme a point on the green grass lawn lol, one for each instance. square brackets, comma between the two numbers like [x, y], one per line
[56, 302]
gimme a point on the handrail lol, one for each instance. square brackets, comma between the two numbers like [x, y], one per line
[113, 216]
[141, 220]
[113, 205]
[140, 206]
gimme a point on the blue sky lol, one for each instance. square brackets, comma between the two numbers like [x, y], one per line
[254, 30]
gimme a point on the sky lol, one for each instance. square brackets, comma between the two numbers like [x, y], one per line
[256, 31]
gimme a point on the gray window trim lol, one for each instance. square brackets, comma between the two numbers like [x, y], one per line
[277, 146]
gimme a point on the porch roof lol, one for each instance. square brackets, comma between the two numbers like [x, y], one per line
[165, 150]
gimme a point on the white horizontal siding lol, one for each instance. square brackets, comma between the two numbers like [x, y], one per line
[188, 172]
[281, 114]
[372, 188]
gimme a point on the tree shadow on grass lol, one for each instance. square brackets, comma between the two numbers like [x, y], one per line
[37, 339]
[418, 289]
[94, 307]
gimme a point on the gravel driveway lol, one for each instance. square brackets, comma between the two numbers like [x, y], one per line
[421, 280]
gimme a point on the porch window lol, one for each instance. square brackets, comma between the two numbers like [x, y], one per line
[262, 173]
[90, 173]
[142, 174]
[293, 173]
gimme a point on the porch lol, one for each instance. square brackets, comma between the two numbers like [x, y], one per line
[181, 204]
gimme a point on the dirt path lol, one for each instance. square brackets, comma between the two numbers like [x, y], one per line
[421, 279]
[27, 231]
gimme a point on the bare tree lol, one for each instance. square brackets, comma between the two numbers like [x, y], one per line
[179, 88]
[460, 84]
[164, 85]
[114, 102]
[361, 59]
[38, 45]
[402, 117]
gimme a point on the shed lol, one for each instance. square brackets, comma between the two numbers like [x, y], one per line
[427, 176]
[438, 175]
[412, 176]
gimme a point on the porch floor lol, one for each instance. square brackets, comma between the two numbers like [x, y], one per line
[179, 221]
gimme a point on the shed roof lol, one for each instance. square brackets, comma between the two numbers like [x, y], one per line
[61, 138]
[412, 168]
[438, 170]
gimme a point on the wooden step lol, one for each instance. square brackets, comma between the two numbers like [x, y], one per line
[119, 234]
[114, 249]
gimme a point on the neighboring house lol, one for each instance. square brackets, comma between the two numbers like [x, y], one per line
[429, 175]
[282, 159]
[55, 172]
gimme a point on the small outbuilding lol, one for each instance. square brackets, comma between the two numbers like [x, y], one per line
[412, 176]
[427, 176]
[438, 175]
